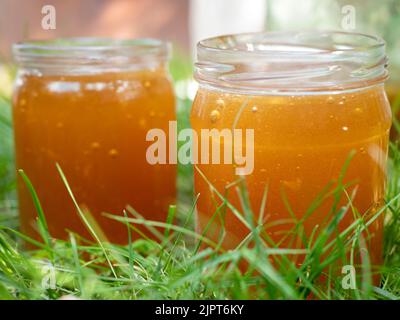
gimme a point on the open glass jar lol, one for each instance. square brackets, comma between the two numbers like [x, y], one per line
[320, 116]
[87, 104]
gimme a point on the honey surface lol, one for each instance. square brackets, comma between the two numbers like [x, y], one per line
[95, 127]
[301, 144]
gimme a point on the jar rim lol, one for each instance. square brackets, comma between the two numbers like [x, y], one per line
[289, 60]
[79, 52]
[214, 43]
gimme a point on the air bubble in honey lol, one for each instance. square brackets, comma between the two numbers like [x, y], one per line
[214, 116]
[220, 103]
[113, 153]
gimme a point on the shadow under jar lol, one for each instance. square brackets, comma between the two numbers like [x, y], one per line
[87, 104]
[315, 101]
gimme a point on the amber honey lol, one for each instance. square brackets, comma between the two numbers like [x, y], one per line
[302, 142]
[299, 155]
[94, 126]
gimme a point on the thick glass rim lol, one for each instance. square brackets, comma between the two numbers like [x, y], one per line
[305, 60]
[222, 43]
[76, 52]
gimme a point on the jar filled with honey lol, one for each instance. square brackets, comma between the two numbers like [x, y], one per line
[316, 104]
[87, 105]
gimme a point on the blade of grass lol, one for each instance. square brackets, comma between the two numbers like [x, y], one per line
[85, 220]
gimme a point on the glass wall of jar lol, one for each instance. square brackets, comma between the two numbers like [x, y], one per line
[87, 104]
[315, 101]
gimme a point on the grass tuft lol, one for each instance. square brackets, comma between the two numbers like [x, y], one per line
[185, 264]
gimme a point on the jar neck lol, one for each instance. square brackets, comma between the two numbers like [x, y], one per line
[91, 55]
[291, 62]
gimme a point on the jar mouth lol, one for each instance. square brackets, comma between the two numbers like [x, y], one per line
[292, 61]
[90, 54]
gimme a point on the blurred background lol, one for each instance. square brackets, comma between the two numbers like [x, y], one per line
[185, 22]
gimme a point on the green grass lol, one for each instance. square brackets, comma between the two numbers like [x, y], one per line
[184, 264]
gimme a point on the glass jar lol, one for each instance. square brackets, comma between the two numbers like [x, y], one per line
[87, 104]
[315, 101]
